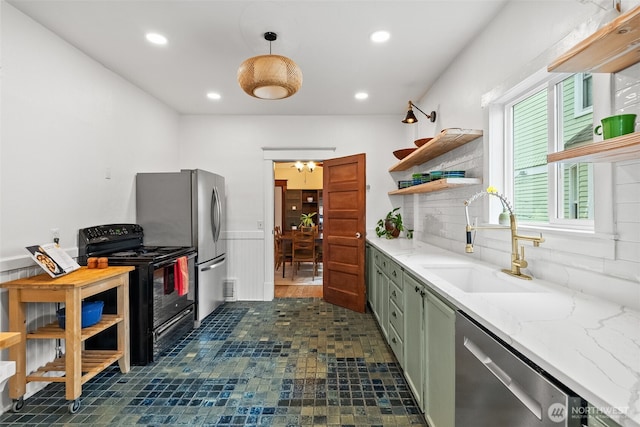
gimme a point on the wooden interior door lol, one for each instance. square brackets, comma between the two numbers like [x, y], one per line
[343, 244]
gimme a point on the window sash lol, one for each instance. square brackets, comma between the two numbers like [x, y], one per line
[555, 202]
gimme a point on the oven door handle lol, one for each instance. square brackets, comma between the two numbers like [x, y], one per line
[162, 329]
[172, 261]
[216, 264]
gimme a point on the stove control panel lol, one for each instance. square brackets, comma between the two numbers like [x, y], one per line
[111, 232]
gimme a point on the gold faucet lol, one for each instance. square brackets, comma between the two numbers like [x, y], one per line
[517, 254]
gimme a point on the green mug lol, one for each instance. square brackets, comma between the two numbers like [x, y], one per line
[613, 126]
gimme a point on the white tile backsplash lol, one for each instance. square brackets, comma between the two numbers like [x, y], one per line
[627, 91]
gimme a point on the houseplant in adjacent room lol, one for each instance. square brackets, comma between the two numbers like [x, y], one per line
[306, 220]
[391, 226]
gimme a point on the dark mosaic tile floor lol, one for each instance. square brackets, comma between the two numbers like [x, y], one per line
[289, 362]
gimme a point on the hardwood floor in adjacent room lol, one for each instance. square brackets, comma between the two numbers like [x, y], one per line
[303, 286]
[298, 291]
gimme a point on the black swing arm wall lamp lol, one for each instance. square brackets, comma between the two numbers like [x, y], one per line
[411, 118]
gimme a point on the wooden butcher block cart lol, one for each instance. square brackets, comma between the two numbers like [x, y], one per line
[77, 365]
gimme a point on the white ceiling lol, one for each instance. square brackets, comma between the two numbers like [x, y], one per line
[329, 40]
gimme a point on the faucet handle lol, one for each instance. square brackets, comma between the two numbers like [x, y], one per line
[522, 263]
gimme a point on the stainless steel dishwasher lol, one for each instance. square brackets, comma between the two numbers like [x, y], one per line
[496, 387]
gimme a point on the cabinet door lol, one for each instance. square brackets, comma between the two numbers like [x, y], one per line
[377, 298]
[414, 335]
[371, 276]
[440, 375]
[383, 302]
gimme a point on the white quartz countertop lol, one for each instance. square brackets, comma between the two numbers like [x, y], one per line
[590, 345]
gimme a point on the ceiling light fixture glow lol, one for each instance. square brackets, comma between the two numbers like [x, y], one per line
[156, 38]
[361, 96]
[213, 95]
[380, 36]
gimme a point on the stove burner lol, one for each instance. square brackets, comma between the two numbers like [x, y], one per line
[124, 254]
[146, 252]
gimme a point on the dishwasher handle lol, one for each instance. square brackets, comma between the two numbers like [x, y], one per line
[530, 403]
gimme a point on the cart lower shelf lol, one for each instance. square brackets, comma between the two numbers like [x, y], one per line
[93, 362]
[53, 331]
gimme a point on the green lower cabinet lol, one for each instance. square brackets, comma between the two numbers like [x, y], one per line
[382, 301]
[371, 276]
[420, 329]
[441, 363]
[414, 337]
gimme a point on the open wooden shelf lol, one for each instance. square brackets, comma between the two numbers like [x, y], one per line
[445, 141]
[53, 331]
[438, 185]
[612, 48]
[93, 362]
[625, 147]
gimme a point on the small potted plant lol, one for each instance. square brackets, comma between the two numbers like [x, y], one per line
[391, 226]
[306, 220]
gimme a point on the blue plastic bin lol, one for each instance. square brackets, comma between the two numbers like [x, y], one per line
[91, 313]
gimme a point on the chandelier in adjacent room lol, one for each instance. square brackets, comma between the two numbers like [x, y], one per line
[270, 76]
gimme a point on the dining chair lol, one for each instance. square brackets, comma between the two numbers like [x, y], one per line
[277, 250]
[304, 250]
[318, 246]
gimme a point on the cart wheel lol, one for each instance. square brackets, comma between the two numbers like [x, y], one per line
[18, 404]
[74, 406]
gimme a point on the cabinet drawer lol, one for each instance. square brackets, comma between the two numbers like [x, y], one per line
[396, 295]
[377, 258]
[396, 319]
[394, 272]
[396, 344]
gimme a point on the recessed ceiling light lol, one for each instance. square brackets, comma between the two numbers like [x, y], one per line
[156, 38]
[380, 36]
[361, 95]
[213, 95]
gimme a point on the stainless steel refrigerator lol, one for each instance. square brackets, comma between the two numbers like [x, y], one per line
[187, 208]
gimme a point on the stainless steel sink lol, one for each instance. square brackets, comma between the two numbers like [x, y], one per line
[480, 279]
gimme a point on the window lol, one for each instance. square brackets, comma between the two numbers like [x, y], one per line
[553, 116]
[583, 99]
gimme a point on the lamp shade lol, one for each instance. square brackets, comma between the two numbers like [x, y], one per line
[269, 77]
[411, 118]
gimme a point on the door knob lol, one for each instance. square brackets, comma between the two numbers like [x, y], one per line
[357, 235]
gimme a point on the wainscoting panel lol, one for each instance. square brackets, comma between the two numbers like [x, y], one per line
[245, 263]
[39, 352]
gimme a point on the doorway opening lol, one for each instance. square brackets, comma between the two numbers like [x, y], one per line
[297, 196]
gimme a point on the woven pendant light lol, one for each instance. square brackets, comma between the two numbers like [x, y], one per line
[269, 76]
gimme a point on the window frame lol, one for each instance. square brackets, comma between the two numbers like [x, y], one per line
[497, 168]
[578, 102]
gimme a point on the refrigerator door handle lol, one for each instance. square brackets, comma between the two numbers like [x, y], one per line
[216, 264]
[216, 215]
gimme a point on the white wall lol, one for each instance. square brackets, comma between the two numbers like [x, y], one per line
[233, 146]
[296, 180]
[66, 122]
[524, 38]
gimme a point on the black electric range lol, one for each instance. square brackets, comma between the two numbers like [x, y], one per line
[160, 311]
